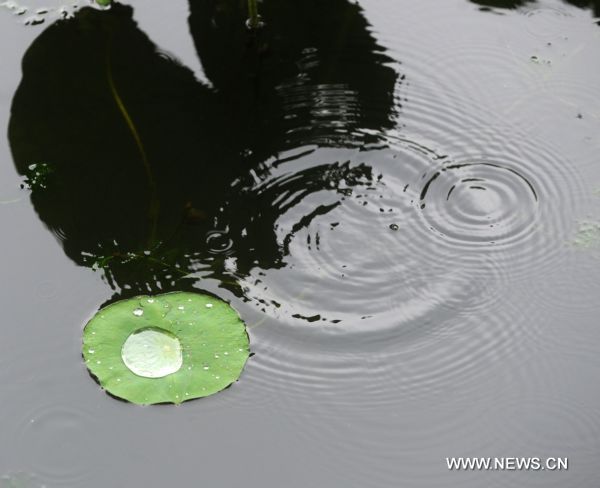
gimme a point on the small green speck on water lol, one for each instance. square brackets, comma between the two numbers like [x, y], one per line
[588, 235]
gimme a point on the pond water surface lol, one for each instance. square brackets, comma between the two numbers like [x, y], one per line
[400, 197]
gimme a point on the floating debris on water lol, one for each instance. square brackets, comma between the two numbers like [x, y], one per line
[538, 60]
[588, 235]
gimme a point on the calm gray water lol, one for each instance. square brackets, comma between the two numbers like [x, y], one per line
[403, 204]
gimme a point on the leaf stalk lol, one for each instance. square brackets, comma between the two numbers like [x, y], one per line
[253, 17]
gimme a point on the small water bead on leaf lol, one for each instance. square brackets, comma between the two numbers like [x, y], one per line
[149, 358]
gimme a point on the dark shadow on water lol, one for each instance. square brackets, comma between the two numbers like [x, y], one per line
[151, 175]
[314, 74]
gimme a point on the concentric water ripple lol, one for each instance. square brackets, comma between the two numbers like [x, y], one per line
[406, 283]
[479, 203]
[364, 296]
[574, 287]
[395, 283]
[451, 361]
[416, 223]
[513, 197]
[462, 76]
[59, 448]
[499, 189]
[547, 23]
[567, 297]
[359, 244]
[456, 93]
[360, 387]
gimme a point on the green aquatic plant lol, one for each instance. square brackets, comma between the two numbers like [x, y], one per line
[167, 348]
[104, 3]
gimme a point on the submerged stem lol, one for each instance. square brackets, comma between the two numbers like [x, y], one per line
[154, 204]
[253, 18]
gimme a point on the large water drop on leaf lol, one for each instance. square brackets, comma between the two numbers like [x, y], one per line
[152, 353]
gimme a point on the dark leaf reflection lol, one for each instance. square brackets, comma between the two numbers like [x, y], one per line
[153, 176]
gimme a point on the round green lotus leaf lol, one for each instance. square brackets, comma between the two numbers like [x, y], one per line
[166, 348]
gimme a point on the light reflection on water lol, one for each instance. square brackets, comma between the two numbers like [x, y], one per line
[37, 12]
